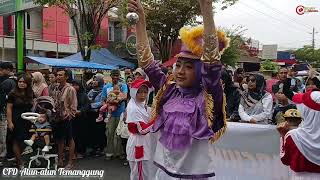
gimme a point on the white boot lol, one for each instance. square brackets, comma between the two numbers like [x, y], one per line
[45, 149]
[29, 142]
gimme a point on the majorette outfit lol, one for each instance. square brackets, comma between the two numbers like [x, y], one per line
[187, 120]
[300, 148]
[139, 152]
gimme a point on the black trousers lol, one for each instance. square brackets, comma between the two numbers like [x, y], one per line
[96, 136]
[80, 128]
[124, 145]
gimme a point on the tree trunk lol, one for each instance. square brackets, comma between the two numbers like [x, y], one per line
[165, 48]
[86, 57]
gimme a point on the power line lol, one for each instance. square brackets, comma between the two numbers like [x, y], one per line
[270, 16]
[245, 12]
[275, 23]
[283, 14]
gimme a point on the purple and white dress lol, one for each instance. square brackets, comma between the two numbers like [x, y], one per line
[182, 150]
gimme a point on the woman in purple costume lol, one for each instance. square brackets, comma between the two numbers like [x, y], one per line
[188, 114]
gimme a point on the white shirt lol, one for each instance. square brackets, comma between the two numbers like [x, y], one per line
[261, 112]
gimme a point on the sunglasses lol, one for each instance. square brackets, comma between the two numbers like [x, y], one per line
[251, 79]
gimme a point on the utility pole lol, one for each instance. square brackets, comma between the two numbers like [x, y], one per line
[313, 44]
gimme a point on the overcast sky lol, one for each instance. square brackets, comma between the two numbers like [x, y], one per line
[273, 21]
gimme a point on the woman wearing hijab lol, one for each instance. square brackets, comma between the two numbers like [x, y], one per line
[140, 74]
[300, 84]
[40, 87]
[97, 130]
[255, 103]
[80, 123]
[139, 143]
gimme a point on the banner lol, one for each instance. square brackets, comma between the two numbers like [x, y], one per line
[249, 152]
[269, 51]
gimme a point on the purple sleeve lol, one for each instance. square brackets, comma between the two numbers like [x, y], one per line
[211, 77]
[211, 82]
[155, 74]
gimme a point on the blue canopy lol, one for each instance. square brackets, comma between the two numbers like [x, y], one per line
[103, 56]
[69, 63]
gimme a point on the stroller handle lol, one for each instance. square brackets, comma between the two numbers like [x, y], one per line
[30, 116]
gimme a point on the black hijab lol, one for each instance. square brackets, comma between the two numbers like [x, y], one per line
[250, 97]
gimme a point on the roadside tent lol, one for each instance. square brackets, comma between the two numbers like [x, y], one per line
[104, 56]
[67, 63]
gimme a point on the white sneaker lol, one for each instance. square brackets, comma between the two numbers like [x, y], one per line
[108, 156]
[11, 159]
[28, 142]
[45, 149]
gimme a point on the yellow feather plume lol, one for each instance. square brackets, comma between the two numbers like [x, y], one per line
[191, 37]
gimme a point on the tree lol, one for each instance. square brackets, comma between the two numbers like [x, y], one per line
[232, 54]
[308, 54]
[166, 17]
[86, 16]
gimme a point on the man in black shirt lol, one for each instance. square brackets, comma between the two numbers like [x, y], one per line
[282, 105]
[7, 83]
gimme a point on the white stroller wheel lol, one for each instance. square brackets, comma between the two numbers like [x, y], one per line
[33, 117]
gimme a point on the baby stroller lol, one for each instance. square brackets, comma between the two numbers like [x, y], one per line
[44, 104]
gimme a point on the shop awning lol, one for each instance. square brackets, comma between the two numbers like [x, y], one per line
[103, 56]
[68, 63]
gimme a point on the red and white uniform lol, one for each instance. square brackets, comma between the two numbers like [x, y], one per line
[300, 148]
[139, 146]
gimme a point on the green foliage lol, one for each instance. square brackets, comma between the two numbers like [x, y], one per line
[308, 54]
[232, 54]
[86, 16]
[95, 47]
[268, 65]
[165, 18]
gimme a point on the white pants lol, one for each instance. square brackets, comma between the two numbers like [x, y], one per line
[161, 175]
[142, 170]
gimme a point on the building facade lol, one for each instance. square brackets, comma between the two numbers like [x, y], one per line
[50, 33]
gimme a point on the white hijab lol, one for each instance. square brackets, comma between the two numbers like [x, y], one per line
[137, 111]
[307, 137]
[141, 71]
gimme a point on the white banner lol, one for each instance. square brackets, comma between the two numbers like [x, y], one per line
[269, 51]
[249, 152]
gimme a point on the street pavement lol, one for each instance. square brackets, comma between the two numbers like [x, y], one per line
[113, 169]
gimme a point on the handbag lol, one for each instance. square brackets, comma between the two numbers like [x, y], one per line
[122, 128]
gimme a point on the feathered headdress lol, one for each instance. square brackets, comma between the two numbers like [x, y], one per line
[192, 42]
